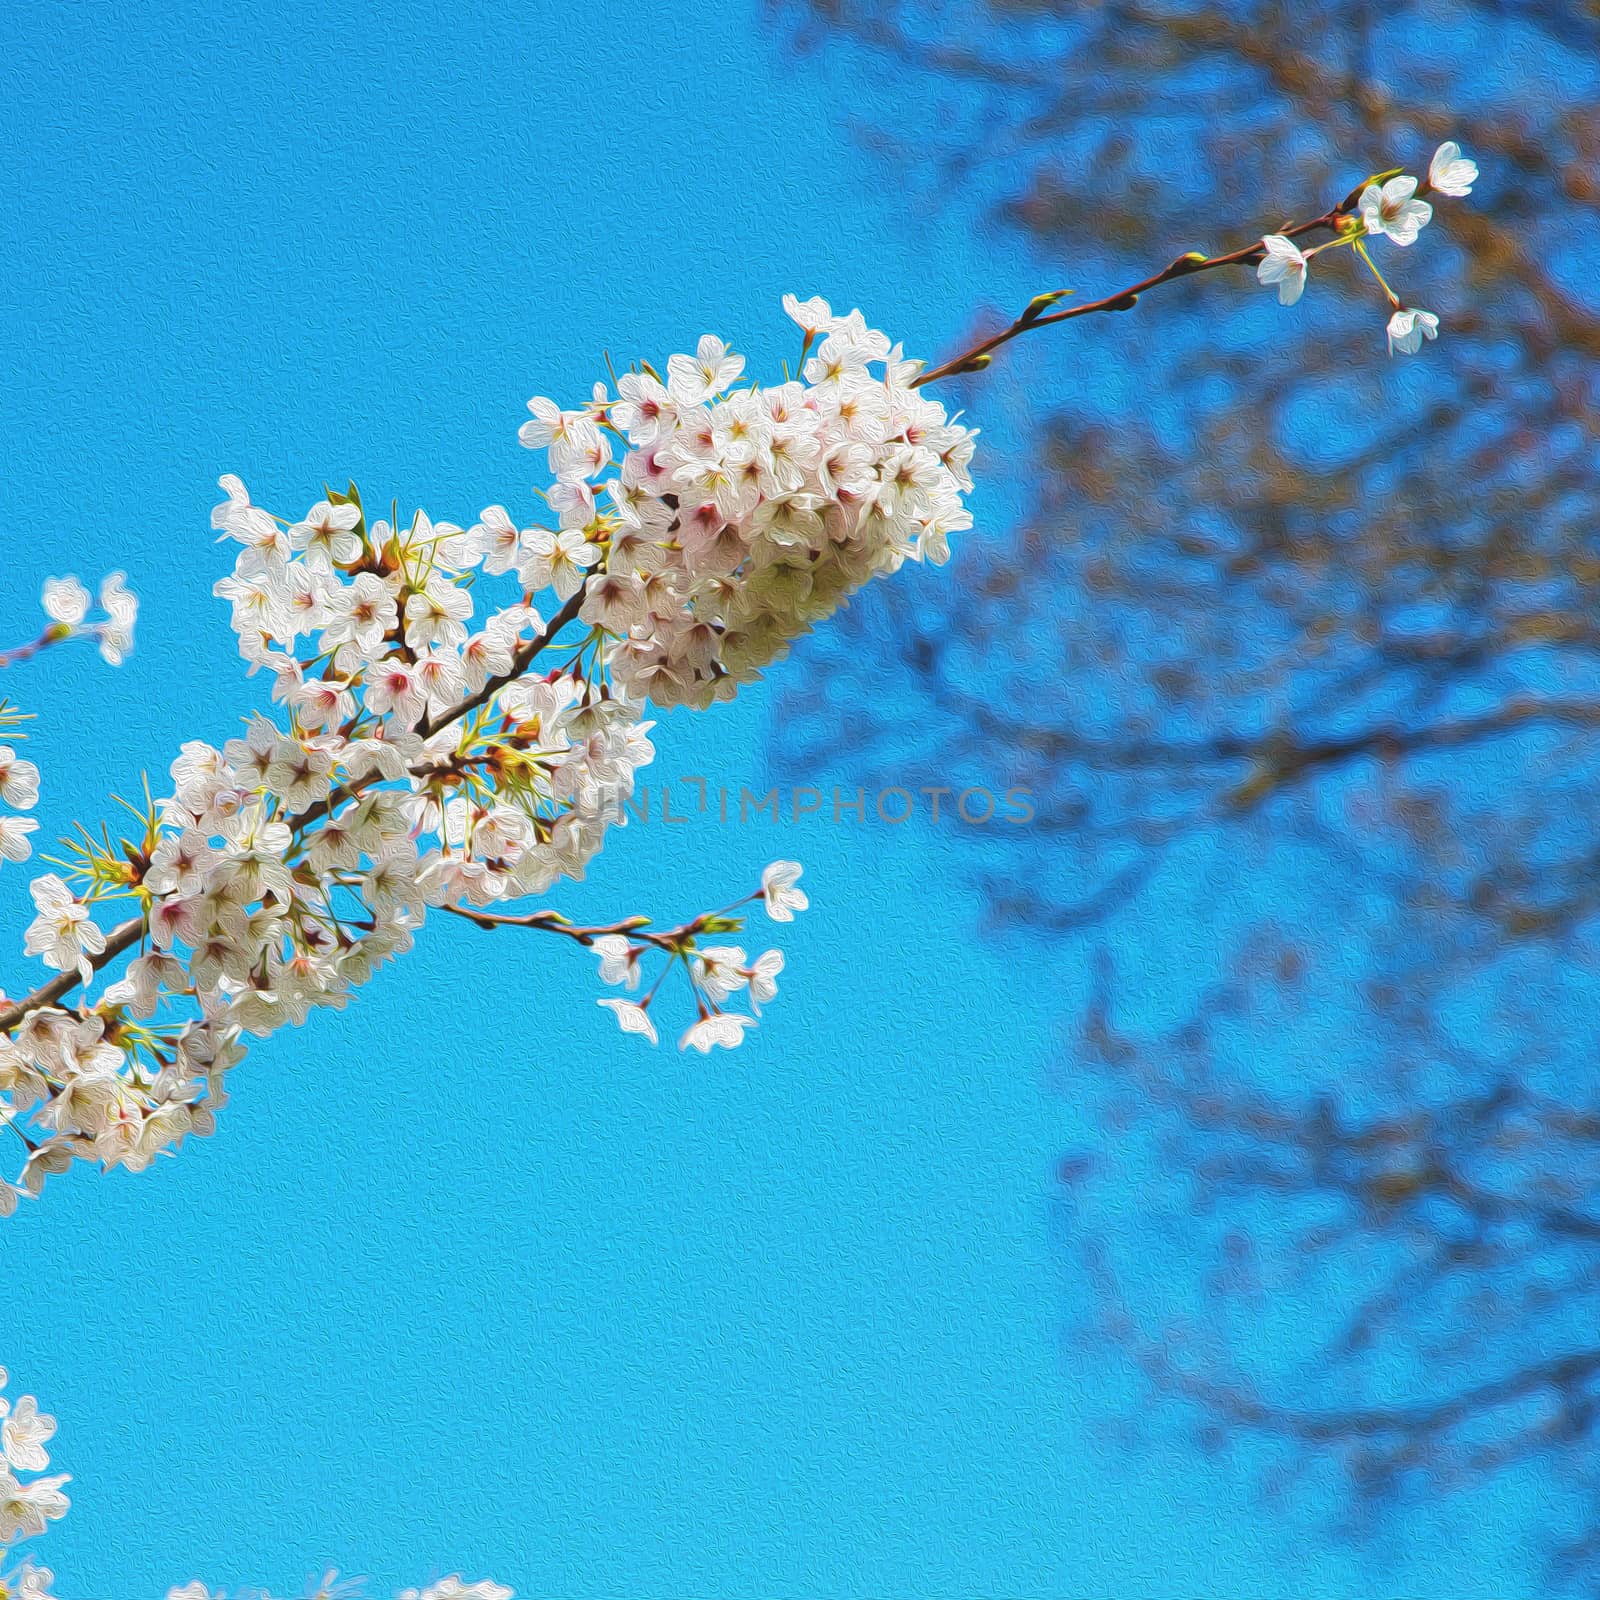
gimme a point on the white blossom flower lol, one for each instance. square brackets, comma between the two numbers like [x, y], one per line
[437, 615]
[812, 315]
[692, 380]
[1394, 210]
[631, 1018]
[26, 1581]
[1284, 264]
[240, 520]
[327, 534]
[299, 773]
[496, 540]
[19, 780]
[14, 842]
[1408, 327]
[778, 889]
[726, 1028]
[121, 606]
[614, 600]
[452, 1588]
[619, 959]
[361, 614]
[719, 970]
[1450, 172]
[644, 409]
[322, 702]
[23, 1435]
[66, 601]
[26, 1507]
[62, 935]
[394, 688]
[764, 978]
[571, 437]
[556, 560]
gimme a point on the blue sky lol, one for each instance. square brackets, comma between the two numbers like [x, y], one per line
[466, 1281]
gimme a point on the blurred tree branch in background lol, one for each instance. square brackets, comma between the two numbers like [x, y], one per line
[1273, 593]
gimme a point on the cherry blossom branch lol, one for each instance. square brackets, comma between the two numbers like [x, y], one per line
[66, 603]
[127, 934]
[714, 971]
[523, 659]
[554, 922]
[119, 941]
[673, 940]
[424, 765]
[15, 656]
[1387, 202]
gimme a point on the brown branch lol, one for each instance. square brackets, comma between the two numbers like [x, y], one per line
[553, 922]
[1561, 1373]
[123, 937]
[519, 665]
[54, 634]
[1186, 266]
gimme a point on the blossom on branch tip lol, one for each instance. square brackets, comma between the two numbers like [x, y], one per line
[619, 959]
[23, 1436]
[725, 1028]
[812, 316]
[1450, 172]
[1408, 327]
[14, 842]
[121, 606]
[1284, 264]
[65, 601]
[778, 890]
[19, 780]
[1394, 209]
[763, 978]
[631, 1018]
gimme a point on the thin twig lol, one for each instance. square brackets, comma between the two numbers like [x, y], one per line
[1186, 266]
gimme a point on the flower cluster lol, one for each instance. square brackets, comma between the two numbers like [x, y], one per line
[26, 1504]
[715, 972]
[427, 755]
[739, 516]
[1391, 206]
[19, 790]
[67, 604]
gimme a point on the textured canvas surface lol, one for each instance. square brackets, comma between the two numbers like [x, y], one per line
[466, 1281]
